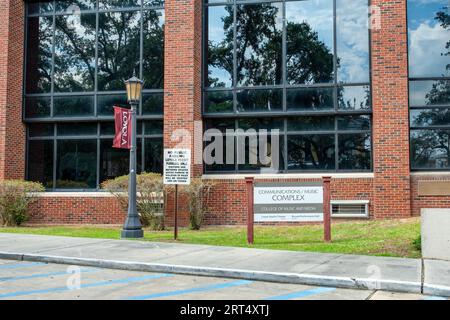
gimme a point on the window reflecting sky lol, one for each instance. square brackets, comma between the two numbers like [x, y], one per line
[428, 38]
[352, 41]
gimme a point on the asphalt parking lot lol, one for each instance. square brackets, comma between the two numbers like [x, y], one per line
[35, 281]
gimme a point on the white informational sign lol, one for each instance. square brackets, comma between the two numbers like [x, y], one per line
[177, 166]
[288, 202]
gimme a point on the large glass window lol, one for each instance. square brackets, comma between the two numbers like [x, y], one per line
[78, 53]
[84, 155]
[301, 67]
[429, 85]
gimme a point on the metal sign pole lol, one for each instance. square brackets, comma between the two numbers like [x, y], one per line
[175, 235]
[177, 171]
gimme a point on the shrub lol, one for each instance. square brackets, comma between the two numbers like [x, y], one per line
[197, 194]
[15, 197]
[150, 197]
[417, 243]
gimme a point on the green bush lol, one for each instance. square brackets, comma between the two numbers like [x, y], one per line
[15, 197]
[417, 243]
[150, 197]
[197, 194]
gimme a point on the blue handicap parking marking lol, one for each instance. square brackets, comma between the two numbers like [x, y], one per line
[302, 294]
[83, 286]
[191, 290]
[434, 298]
[44, 275]
[22, 265]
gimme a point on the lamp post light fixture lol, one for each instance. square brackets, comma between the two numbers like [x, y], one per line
[133, 227]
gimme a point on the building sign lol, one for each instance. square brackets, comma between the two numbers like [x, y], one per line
[288, 202]
[122, 138]
[177, 166]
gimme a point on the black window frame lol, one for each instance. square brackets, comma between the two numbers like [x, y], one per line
[411, 108]
[95, 119]
[285, 114]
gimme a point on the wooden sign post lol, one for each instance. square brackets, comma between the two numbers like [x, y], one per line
[249, 184]
[326, 208]
[288, 202]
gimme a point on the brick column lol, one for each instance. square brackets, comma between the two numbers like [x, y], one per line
[182, 82]
[390, 111]
[12, 130]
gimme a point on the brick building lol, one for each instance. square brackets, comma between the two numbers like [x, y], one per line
[358, 90]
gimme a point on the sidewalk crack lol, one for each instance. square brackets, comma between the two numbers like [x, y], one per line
[70, 246]
[322, 263]
[369, 297]
[422, 275]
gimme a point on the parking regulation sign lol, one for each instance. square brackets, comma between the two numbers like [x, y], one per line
[177, 166]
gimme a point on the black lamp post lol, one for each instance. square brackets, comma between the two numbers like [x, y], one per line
[132, 227]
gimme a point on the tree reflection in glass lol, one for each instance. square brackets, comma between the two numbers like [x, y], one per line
[39, 64]
[258, 44]
[75, 53]
[309, 36]
[153, 51]
[118, 48]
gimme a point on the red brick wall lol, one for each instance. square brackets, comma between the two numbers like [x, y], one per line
[76, 210]
[227, 204]
[12, 130]
[420, 202]
[182, 77]
[390, 111]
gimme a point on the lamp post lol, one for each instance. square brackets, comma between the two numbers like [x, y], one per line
[132, 227]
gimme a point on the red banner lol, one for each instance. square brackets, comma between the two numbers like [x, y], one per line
[122, 139]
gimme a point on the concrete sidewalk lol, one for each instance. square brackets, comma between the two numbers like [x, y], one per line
[337, 270]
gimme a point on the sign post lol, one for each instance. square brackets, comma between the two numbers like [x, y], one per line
[177, 171]
[249, 184]
[326, 208]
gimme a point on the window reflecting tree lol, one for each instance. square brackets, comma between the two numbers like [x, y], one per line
[75, 53]
[153, 50]
[354, 98]
[39, 64]
[430, 147]
[118, 48]
[440, 92]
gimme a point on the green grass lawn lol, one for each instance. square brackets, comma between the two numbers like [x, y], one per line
[382, 238]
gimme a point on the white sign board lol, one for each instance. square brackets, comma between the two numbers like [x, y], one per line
[177, 166]
[288, 202]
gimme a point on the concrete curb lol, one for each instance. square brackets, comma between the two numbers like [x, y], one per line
[436, 290]
[293, 278]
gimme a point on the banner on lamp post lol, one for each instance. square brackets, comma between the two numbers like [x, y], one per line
[122, 138]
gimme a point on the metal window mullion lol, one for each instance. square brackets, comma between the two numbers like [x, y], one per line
[284, 53]
[236, 149]
[55, 152]
[234, 82]
[96, 61]
[52, 76]
[336, 144]
[335, 80]
[142, 137]
[285, 147]
[141, 53]
[98, 156]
